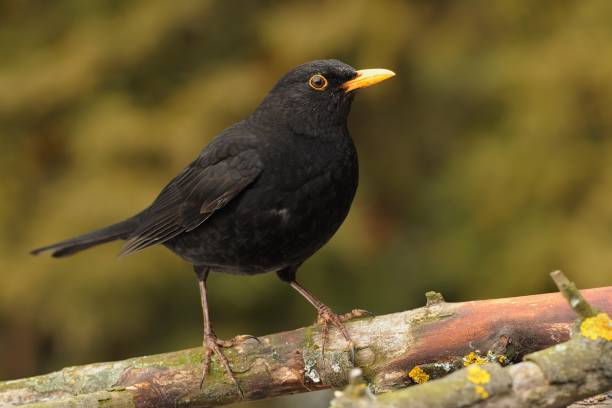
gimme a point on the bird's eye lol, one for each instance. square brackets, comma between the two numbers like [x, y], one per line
[317, 82]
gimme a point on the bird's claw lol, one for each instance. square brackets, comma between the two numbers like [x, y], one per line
[326, 316]
[213, 345]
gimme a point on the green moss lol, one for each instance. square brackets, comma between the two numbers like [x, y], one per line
[433, 298]
[429, 316]
[309, 343]
[105, 402]
[115, 399]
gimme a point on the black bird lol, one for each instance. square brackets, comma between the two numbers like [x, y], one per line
[263, 196]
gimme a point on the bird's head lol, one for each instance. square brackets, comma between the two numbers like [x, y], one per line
[315, 96]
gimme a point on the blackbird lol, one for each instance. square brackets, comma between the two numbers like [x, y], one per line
[263, 196]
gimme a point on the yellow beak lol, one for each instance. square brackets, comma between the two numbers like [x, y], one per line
[367, 77]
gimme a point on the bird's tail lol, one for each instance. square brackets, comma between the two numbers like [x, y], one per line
[120, 230]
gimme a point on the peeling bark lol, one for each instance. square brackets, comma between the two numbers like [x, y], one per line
[438, 338]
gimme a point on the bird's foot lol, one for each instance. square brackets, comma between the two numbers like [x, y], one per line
[327, 316]
[214, 345]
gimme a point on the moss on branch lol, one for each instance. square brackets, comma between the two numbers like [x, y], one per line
[436, 338]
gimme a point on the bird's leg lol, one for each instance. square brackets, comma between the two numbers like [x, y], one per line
[211, 343]
[326, 316]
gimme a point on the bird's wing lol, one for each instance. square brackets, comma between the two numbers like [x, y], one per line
[192, 197]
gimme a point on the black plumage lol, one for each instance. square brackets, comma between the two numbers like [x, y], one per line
[264, 195]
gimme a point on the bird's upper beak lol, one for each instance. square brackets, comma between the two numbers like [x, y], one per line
[367, 77]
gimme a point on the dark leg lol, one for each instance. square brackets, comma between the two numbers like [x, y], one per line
[325, 314]
[211, 342]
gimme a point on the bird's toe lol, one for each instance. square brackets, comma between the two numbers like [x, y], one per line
[214, 345]
[327, 316]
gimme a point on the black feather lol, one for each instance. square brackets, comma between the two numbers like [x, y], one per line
[120, 230]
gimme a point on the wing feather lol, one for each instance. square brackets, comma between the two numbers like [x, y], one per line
[192, 197]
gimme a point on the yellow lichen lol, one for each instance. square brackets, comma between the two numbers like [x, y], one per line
[418, 375]
[502, 359]
[597, 327]
[477, 375]
[480, 390]
[473, 358]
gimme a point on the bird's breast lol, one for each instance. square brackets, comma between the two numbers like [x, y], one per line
[299, 205]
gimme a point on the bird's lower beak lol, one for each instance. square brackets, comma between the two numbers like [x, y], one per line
[367, 77]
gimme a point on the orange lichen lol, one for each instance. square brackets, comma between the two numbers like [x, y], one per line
[597, 327]
[418, 375]
[473, 358]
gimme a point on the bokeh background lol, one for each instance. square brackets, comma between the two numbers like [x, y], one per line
[485, 164]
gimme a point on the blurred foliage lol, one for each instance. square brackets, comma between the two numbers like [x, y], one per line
[485, 164]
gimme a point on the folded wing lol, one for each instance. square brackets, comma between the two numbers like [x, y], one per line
[202, 188]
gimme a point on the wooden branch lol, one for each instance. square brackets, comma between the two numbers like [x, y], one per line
[438, 338]
[554, 377]
[573, 296]
[550, 378]
[598, 401]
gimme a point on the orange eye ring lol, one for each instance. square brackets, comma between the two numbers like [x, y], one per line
[317, 82]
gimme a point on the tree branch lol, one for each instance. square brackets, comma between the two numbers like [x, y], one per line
[554, 377]
[438, 338]
[550, 378]
[573, 296]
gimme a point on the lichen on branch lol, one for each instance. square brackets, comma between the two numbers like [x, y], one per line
[438, 338]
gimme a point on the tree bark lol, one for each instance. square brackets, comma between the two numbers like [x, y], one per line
[551, 378]
[598, 401]
[438, 338]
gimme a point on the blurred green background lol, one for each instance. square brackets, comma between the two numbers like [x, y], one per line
[485, 164]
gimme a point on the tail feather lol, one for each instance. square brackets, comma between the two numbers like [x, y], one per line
[120, 230]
